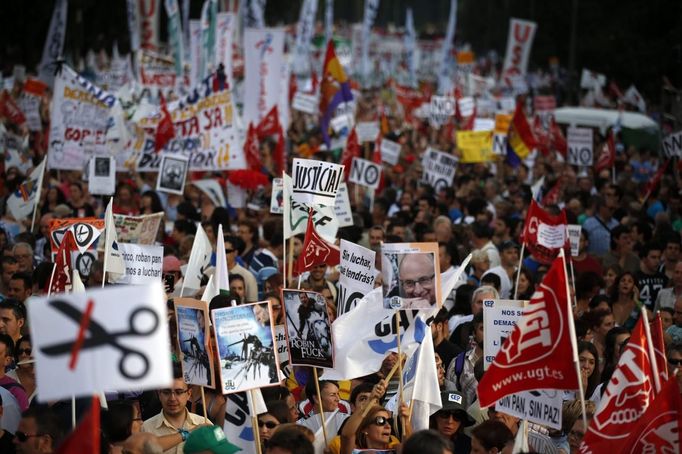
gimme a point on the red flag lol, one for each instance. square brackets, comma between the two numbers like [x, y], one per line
[552, 196]
[315, 250]
[538, 354]
[85, 437]
[544, 138]
[607, 154]
[656, 327]
[653, 183]
[660, 427]
[278, 155]
[558, 140]
[164, 130]
[10, 110]
[352, 150]
[63, 269]
[377, 159]
[628, 394]
[252, 149]
[544, 234]
[269, 125]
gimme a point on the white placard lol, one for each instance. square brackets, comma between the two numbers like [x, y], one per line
[507, 105]
[143, 263]
[341, 122]
[172, 174]
[439, 168]
[126, 344]
[316, 182]
[551, 236]
[263, 59]
[499, 319]
[573, 232]
[342, 208]
[306, 103]
[543, 406]
[466, 106]
[484, 124]
[672, 145]
[367, 131]
[499, 144]
[277, 196]
[519, 43]
[580, 152]
[357, 274]
[365, 173]
[102, 175]
[390, 151]
[441, 108]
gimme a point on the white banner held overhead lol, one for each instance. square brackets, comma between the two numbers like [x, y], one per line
[365, 173]
[357, 274]
[264, 56]
[54, 43]
[342, 208]
[367, 131]
[441, 109]
[580, 146]
[304, 33]
[316, 182]
[124, 341]
[150, 12]
[519, 44]
[439, 168]
[225, 26]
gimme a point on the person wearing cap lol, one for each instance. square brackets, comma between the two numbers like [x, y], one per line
[509, 261]
[209, 440]
[171, 265]
[451, 420]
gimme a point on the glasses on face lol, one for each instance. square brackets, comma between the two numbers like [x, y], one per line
[446, 414]
[22, 437]
[675, 362]
[25, 351]
[424, 282]
[172, 392]
[380, 421]
[268, 424]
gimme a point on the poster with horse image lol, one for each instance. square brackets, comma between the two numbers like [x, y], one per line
[245, 336]
[193, 335]
[309, 334]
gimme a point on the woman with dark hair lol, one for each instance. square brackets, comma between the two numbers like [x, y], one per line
[526, 284]
[150, 203]
[268, 421]
[78, 202]
[276, 305]
[121, 421]
[625, 303]
[25, 371]
[490, 437]
[616, 337]
[589, 372]
[53, 198]
[600, 322]
[451, 420]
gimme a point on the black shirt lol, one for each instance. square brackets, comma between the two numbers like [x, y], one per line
[649, 285]
[447, 352]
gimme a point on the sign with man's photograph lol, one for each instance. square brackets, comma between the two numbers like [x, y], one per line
[248, 355]
[172, 174]
[411, 275]
[309, 333]
[193, 335]
[102, 175]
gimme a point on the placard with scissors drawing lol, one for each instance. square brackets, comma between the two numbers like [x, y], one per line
[110, 339]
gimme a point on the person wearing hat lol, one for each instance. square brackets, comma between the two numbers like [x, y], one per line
[509, 261]
[451, 420]
[209, 440]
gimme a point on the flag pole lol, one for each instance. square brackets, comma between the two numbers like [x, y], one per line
[518, 271]
[106, 256]
[574, 341]
[319, 403]
[650, 348]
[400, 367]
[575, 296]
[203, 404]
[254, 421]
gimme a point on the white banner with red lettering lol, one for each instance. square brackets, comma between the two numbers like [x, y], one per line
[264, 57]
[519, 43]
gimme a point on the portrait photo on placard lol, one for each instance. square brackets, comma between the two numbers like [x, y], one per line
[245, 338]
[411, 275]
[309, 333]
[193, 335]
[101, 175]
[172, 175]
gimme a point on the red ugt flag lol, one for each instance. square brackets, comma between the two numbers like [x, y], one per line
[607, 154]
[352, 150]
[544, 234]
[628, 394]
[539, 352]
[164, 130]
[85, 437]
[316, 250]
[63, 269]
[269, 125]
[659, 348]
[252, 149]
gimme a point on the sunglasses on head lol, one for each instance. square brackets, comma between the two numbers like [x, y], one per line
[22, 437]
[380, 421]
[268, 424]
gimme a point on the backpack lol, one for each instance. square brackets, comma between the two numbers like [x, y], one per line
[459, 367]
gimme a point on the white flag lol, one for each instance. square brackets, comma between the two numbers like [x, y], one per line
[304, 33]
[54, 43]
[410, 41]
[113, 260]
[22, 201]
[199, 261]
[633, 96]
[371, 10]
[133, 24]
[420, 378]
[238, 412]
[444, 73]
[221, 280]
[77, 284]
[213, 190]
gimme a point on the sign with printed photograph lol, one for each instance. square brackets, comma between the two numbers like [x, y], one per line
[245, 338]
[172, 175]
[102, 175]
[411, 275]
[193, 335]
[309, 334]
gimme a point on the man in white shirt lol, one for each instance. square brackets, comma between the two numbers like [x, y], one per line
[509, 259]
[481, 239]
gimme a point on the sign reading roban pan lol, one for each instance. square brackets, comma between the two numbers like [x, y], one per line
[316, 182]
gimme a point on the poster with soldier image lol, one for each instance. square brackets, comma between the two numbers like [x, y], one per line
[245, 337]
[172, 174]
[309, 334]
[193, 334]
[411, 275]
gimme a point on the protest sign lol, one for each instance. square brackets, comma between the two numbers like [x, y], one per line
[316, 182]
[365, 173]
[356, 275]
[390, 151]
[172, 174]
[483, 124]
[193, 335]
[264, 56]
[543, 406]
[411, 275]
[519, 43]
[277, 196]
[367, 131]
[85, 231]
[205, 133]
[573, 232]
[283, 352]
[29, 103]
[441, 109]
[143, 263]
[672, 145]
[245, 339]
[308, 329]
[125, 344]
[580, 144]
[22, 202]
[225, 27]
[499, 319]
[82, 261]
[475, 146]
[466, 106]
[241, 410]
[439, 168]
[342, 208]
[157, 74]
[296, 216]
[78, 124]
[306, 103]
[102, 175]
[137, 229]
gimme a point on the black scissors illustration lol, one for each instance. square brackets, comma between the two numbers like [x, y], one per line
[100, 337]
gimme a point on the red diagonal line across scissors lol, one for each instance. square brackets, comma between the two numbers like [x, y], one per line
[85, 322]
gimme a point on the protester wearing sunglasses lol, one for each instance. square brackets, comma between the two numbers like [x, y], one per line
[25, 374]
[267, 423]
[39, 432]
[451, 420]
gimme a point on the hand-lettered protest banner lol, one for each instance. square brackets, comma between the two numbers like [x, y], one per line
[367, 131]
[138, 229]
[193, 335]
[357, 275]
[246, 347]
[519, 43]
[309, 334]
[573, 232]
[499, 319]
[411, 275]
[580, 146]
[342, 209]
[316, 182]
[390, 151]
[543, 406]
[365, 173]
[439, 168]
[441, 109]
[114, 338]
[143, 263]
